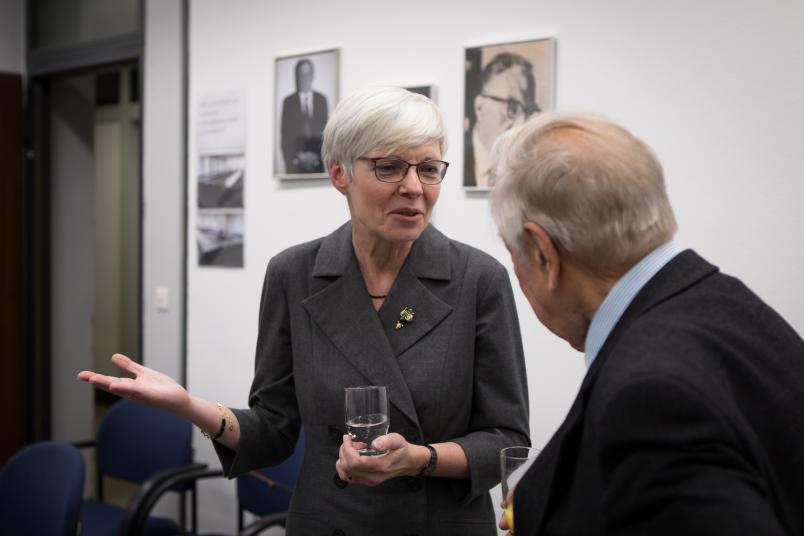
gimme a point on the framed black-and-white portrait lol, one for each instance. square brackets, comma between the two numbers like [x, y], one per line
[427, 91]
[505, 84]
[306, 92]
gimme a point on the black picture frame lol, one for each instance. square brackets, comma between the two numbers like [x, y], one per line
[297, 131]
[504, 84]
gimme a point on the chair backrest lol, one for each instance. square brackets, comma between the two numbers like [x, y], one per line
[136, 441]
[262, 497]
[41, 489]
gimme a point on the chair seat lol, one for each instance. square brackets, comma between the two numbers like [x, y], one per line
[103, 519]
[41, 487]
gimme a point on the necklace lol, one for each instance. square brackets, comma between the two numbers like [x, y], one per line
[378, 297]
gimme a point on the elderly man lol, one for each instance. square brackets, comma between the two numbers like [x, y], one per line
[690, 419]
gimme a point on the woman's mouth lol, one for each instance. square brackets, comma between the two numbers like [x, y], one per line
[407, 213]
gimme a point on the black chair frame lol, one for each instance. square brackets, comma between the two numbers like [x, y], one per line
[148, 484]
[149, 494]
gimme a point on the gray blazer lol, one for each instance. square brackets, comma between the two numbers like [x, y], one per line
[455, 373]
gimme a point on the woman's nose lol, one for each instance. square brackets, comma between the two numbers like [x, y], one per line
[410, 184]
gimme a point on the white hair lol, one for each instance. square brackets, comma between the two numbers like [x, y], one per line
[596, 189]
[380, 119]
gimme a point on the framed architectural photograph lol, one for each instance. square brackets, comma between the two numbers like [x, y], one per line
[306, 92]
[219, 235]
[220, 178]
[505, 84]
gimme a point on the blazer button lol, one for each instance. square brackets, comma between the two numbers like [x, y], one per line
[414, 484]
[335, 435]
[338, 532]
[338, 482]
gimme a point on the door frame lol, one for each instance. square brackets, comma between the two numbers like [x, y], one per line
[43, 66]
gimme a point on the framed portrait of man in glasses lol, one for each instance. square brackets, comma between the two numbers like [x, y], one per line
[505, 84]
[306, 92]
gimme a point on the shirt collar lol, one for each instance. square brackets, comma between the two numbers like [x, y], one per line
[621, 295]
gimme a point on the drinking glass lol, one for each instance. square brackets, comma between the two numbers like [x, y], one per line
[514, 463]
[366, 411]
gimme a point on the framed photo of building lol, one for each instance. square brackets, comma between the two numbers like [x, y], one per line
[306, 91]
[220, 178]
[505, 84]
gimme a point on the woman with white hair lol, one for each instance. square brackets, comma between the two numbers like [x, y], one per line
[386, 299]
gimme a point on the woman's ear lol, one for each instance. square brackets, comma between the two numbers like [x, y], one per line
[338, 176]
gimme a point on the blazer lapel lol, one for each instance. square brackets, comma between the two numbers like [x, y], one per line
[410, 293]
[343, 312]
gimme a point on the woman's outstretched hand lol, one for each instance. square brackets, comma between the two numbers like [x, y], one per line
[147, 386]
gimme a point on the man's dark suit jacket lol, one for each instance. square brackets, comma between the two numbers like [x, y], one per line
[297, 139]
[690, 421]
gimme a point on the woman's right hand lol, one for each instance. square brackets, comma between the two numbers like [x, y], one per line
[147, 386]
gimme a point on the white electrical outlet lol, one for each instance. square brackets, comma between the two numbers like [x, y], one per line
[162, 296]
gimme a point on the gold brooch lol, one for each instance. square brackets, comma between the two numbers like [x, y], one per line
[405, 317]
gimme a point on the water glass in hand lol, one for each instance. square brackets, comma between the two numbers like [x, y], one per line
[366, 410]
[514, 463]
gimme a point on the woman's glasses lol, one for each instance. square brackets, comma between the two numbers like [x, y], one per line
[394, 169]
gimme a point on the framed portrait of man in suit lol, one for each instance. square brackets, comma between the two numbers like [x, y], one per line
[505, 84]
[306, 91]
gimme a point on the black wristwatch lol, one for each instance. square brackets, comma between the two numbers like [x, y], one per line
[428, 469]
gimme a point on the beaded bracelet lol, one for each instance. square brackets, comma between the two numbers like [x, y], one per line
[222, 429]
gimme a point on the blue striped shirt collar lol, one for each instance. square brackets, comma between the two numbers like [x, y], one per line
[621, 295]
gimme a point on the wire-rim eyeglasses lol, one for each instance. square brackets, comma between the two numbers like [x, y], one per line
[390, 169]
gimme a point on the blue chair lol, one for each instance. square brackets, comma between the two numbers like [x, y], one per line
[137, 444]
[41, 487]
[264, 493]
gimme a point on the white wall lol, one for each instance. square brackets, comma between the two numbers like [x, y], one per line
[163, 189]
[714, 87]
[72, 255]
[12, 36]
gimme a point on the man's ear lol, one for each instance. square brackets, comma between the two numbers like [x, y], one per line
[338, 176]
[545, 253]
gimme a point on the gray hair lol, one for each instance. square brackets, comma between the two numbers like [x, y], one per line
[596, 189]
[380, 119]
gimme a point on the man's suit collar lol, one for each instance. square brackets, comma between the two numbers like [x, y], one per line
[684, 270]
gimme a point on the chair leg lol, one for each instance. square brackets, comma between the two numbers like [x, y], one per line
[194, 498]
[183, 511]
